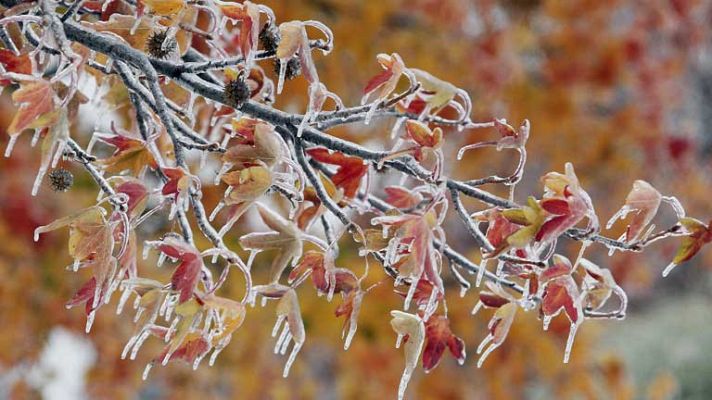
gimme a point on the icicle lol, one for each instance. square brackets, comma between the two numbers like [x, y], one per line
[432, 304]
[214, 356]
[668, 269]
[285, 343]
[76, 265]
[476, 308]
[404, 382]
[139, 342]
[547, 321]
[370, 112]
[398, 340]
[463, 291]
[282, 75]
[409, 297]
[481, 271]
[486, 354]
[146, 249]
[197, 361]
[146, 370]
[161, 260]
[570, 342]
[38, 180]
[290, 360]
[35, 137]
[122, 300]
[90, 321]
[135, 26]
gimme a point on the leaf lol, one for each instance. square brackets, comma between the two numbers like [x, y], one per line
[384, 84]
[37, 108]
[186, 276]
[698, 235]
[350, 169]
[400, 197]
[293, 330]
[349, 309]
[599, 286]
[137, 193]
[131, 154]
[284, 237]
[422, 135]
[498, 328]
[438, 336]
[165, 8]
[644, 201]
[412, 327]
[91, 242]
[262, 144]
[20, 64]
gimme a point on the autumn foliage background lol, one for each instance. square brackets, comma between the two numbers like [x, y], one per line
[621, 88]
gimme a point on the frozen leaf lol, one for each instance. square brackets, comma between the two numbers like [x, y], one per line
[599, 285]
[187, 274]
[400, 197]
[498, 328]
[91, 243]
[567, 204]
[293, 330]
[131, 154]
[438, 336]
[422, 260]
[560, 293]
[327, 278]
[697, 235]
[19, 64]
[285, 237]
[261, 144]
[411, 327]
[37, 109]
[349, 309]
[643, 201]
[165, 8]
[349, 173]
[439, 94]
[384, 83]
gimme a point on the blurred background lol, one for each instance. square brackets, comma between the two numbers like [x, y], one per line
[621, 88]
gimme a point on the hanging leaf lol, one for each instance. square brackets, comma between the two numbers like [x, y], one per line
[438, 336]
[411, 328]
[698, 235]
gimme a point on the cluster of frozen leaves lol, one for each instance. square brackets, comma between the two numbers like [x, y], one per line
[261, 155]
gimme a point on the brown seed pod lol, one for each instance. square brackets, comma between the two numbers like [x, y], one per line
[158, 47]
[294, 67]
[236, 92]
[60, 180]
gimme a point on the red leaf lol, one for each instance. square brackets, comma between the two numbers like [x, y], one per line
[438, 336]
[400, 197]
[13, 63]
[555, 206]
[350, 172]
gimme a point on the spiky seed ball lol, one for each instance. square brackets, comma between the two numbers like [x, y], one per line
[294, 67]
[155, 47]
[269, 37]
[60, 180]
[237, 92]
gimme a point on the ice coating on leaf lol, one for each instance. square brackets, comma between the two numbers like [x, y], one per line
[697, 234]
[410, 325]
[285, 237]
[293, 331]
[438, 337]
[498, 329]
[644, 201]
